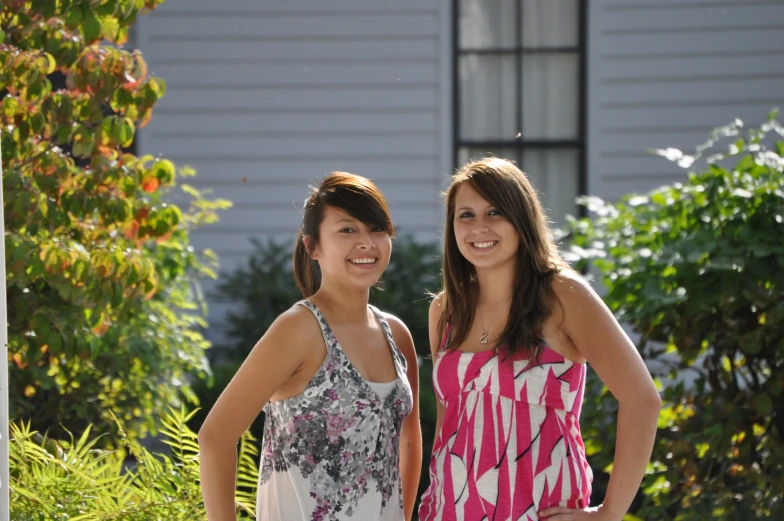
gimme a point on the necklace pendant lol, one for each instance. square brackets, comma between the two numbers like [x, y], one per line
[483, 340]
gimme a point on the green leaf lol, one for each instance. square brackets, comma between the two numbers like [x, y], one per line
[48, 63]
[158, 86]
[55, 343]
[91, 27]
[50, 8]
[172, 215]
[107, 130]
[124, 131]
[763, 404]
[110, 28]
[10, 106]
[37, 122]
[85, 146]
[73, 18]
[161, 227]
[164, 171]
[659, 199]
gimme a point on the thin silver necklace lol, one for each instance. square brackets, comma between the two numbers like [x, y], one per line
[483, 338]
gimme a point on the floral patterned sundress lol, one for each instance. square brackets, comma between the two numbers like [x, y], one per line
[331, 453]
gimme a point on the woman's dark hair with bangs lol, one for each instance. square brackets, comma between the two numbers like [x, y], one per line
[351, 193]
[508, 189]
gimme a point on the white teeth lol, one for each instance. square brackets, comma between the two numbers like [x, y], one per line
[484, 244]
[368, 260]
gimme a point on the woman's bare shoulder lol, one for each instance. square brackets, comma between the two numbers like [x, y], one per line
[295, 326]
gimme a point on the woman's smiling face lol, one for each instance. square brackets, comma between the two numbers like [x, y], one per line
[484, 237]
[350, 252]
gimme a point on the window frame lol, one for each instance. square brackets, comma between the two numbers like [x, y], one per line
[579, 143]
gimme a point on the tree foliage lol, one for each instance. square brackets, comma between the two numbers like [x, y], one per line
[103, 301]
[697, 270]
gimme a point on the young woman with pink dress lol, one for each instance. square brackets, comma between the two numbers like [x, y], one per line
[511, 333]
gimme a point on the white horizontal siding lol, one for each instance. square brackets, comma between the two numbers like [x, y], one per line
[663, 74]
[330, 102]
[294, 26]
[264, 98]
[336, 8]
[249, 192]
[328, 147]
[297, 51]
[250, 74]
[333, 122]
[280, 172]
[663, 17]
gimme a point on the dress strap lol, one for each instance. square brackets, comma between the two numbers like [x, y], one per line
[326, 331]
[396, 352]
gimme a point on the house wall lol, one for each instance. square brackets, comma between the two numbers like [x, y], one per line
[662, 74]
[264, 98]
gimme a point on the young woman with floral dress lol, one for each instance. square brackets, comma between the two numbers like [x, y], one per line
[336, 377]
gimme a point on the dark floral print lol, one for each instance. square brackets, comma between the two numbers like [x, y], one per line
[339, 435]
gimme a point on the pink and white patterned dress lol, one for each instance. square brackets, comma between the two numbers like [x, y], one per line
[510, 441]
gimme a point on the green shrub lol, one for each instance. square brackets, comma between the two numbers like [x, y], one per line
[264, 287]
[258, 292]
[103, 304]
[697, 270]
[76, 480]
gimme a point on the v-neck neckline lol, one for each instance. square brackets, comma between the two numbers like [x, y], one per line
[387, 337]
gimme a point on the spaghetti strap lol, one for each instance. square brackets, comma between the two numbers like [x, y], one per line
[320, 319]
[397, 354]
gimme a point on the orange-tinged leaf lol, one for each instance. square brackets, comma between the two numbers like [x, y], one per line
[131, 230]
[102, 328]
[150, 184]
[138, 69]
[145, 118]
[164, 237]
[21, 364]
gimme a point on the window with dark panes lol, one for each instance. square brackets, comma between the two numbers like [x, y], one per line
[519, 82]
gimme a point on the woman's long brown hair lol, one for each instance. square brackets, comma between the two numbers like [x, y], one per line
[508, 189]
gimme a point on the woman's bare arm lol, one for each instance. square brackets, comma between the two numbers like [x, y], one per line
[596, 334]
[274, 359]
[411, 434]
[434, 316]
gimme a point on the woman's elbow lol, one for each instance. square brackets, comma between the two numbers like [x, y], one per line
[643, 401]
[649, 401]
[656, 401]
[210, 436]
[205, 436]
